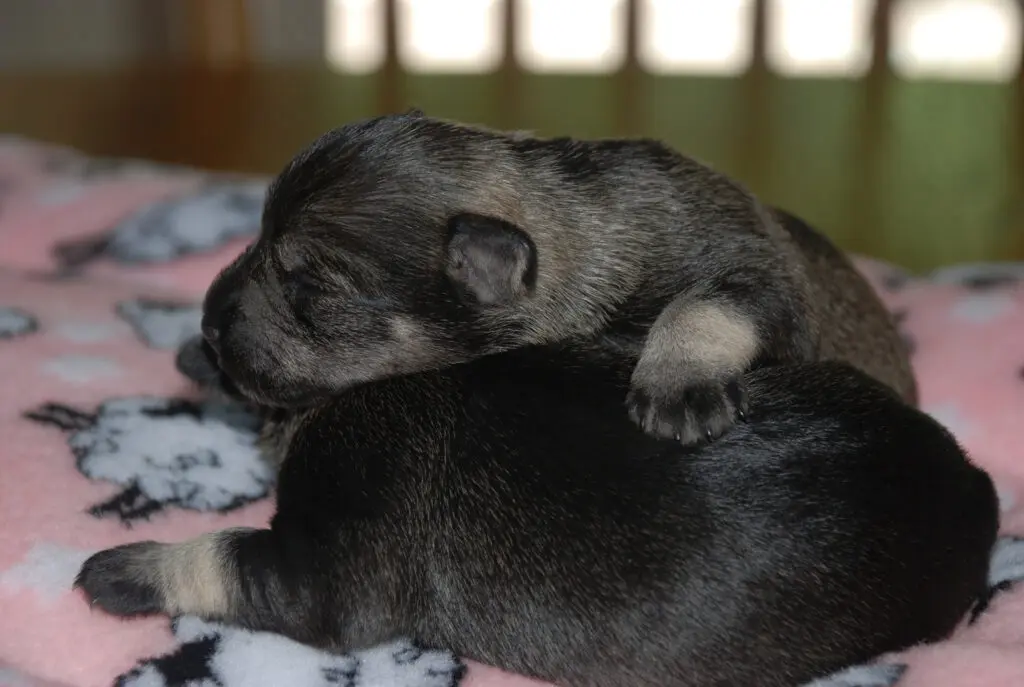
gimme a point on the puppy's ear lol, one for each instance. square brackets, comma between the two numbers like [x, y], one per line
[415, 113]
[494, 261]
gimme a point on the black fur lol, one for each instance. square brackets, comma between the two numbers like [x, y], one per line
[507, 509]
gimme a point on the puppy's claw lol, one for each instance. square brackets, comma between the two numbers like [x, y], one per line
[118, 581]
[738, 396]
[694, 415]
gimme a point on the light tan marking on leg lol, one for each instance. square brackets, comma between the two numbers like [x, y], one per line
[710, 338]
[197, 576]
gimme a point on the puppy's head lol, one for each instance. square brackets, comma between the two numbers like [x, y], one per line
[387, 247]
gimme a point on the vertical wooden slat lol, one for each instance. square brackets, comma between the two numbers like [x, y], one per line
[510, 74]
[159, 21]
[390, 89]
[759, 39]
[873, 124]
[881, 37]
[217, 33]
[1017, 135]
[753, 143]
[878, 81]
[629, 80]
[217, 41]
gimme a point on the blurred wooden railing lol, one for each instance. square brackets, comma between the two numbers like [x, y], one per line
[922, 172]
[219, 37]
[219, 33]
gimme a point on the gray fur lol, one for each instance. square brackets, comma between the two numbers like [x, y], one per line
[446, 242]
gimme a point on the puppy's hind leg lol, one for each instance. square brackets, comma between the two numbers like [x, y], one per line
[238, 575]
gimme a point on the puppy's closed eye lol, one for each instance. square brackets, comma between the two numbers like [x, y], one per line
[301, 283]
[303, 291]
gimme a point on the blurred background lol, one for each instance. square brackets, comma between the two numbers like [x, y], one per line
[894, 125]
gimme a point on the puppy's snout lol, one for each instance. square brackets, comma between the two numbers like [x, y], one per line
[218, 316]
[195, 361]
[222, 304]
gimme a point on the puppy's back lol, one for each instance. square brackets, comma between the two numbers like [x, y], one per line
[533, 527]
[856, 326]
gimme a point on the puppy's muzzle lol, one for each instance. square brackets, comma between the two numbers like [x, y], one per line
[196, 360]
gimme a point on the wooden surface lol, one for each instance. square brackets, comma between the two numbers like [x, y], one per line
[924, 174]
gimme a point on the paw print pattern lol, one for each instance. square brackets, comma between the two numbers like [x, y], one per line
[223, 656]
[197, 223]
[1005, 572]
[874, 675]
[166, 230]
[165, 452]
[1007, 561]
[161, 324]
[981, 276]
[15, 322]
[72, 164]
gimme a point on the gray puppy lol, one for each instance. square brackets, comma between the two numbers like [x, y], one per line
[406, 243]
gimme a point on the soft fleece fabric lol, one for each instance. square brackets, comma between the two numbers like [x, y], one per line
[102, 263]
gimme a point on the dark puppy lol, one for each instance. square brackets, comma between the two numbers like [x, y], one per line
[406, 243]
[508, 509]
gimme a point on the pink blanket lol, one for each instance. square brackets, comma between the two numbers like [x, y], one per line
[101, 266]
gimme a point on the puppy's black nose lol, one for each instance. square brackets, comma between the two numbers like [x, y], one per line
[197, 361]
